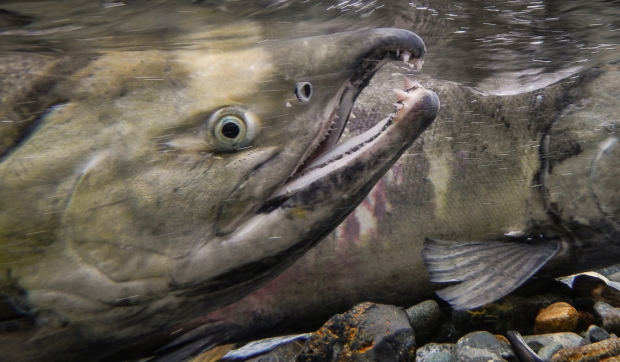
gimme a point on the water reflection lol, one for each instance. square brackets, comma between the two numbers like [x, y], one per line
[500, 47]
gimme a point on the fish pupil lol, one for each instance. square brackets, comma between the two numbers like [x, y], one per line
[230, 130]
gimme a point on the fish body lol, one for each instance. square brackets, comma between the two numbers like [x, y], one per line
[140, 189]
[482, 175]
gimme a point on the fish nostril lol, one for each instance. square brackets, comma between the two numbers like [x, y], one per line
[303, 91]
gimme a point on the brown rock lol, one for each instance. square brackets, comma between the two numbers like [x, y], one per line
[594, 352]
[558, 317]
[611, 359]
[368, 332]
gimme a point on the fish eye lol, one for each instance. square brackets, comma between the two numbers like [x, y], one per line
[231, 128]
[303, 91]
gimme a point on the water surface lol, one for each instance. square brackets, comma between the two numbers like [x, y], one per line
[499, 47]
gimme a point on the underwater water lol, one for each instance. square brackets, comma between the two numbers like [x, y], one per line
[502, 47]
[524, 148]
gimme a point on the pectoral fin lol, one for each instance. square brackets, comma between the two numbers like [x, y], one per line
[486, 270]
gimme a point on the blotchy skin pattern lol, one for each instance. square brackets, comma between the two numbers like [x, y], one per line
[473, 175]
[125, 206]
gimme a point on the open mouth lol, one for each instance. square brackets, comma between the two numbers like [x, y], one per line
[327, 155]
[352, 90]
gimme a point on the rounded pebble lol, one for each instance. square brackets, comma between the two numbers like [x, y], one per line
[478, 346]
[428, 349]
[438, 357]
[558, 317]
[609, 315]
[425, 318]
[597, 334]
[547, 352]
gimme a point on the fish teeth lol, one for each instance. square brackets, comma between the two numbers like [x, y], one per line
[400, 94]
[417, 63]
[398, 106]
[406, 57]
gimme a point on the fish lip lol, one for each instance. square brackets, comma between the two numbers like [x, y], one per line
[392, 47]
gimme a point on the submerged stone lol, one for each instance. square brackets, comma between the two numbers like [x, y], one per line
[609, 315]
[478, 347]
[590, 353]
[567, 339]
[597, 334]
[368, 332]
[423, 354]
[425, 318]
[438, 357]
[558, 317]
[547, 352]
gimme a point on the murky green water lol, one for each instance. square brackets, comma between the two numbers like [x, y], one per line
[496, 47]
[500, 47]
